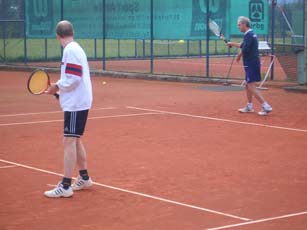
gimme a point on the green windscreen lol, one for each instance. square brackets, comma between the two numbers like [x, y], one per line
[256, 10]
[172, 19]
[131, 19]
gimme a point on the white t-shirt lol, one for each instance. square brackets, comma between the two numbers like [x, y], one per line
[75, 83]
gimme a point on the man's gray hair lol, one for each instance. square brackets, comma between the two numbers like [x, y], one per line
[245, 21]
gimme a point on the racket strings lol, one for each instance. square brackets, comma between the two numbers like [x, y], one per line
[38, 82]
[215, 28]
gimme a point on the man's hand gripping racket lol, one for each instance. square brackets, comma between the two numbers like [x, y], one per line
[214, 27]
[39, 82]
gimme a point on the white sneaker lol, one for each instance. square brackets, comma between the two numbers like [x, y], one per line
[247, 109]
[59, 191]
[81, 184]
[266, 108]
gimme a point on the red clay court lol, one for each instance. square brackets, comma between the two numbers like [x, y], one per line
[163, 156]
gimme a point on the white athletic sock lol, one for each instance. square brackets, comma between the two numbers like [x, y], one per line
[250, 105]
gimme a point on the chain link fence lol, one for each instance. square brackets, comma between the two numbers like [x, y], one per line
[136, 36]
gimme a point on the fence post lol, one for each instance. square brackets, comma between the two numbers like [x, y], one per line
[118, 48]
[104, 35]
[135, 48]
[46, 49]
[4, 42]
[62, 10]
[62, 18]
[95, 48]
[144, 48]
[25, 35]
[215, 47]
[151, 37]
[168, 48]
[305, 35]
[274, 3]
[207, 40]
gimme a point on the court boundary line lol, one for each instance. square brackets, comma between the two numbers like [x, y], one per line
[259, 221]
[204, 64]
[218, 119]
[133, 192]
[8, 166]
[90, 118]
[48, 112]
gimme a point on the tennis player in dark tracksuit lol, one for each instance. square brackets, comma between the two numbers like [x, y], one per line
[251, 62]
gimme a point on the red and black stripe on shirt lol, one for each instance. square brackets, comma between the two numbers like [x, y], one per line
[74, 69]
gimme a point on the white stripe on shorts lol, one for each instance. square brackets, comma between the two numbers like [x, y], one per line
[73, 122]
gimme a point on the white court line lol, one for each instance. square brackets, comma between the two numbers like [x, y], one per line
[203, 64]
[211, 64]
[8, 166]
[259, 221]
[133, 192]
[59, 111]
[219, 119]
[90, 118]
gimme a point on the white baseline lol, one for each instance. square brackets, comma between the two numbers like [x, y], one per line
[132, 192]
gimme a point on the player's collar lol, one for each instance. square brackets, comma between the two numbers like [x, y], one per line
[248, 31]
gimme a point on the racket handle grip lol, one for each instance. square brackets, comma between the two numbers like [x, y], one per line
[226, 41]
[57, 96]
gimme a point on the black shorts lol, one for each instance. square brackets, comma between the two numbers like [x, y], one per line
[74, 123]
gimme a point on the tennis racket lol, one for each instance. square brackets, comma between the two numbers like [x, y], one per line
[214, 27]
[39, 82]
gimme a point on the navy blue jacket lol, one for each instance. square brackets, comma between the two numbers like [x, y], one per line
[249, 48]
